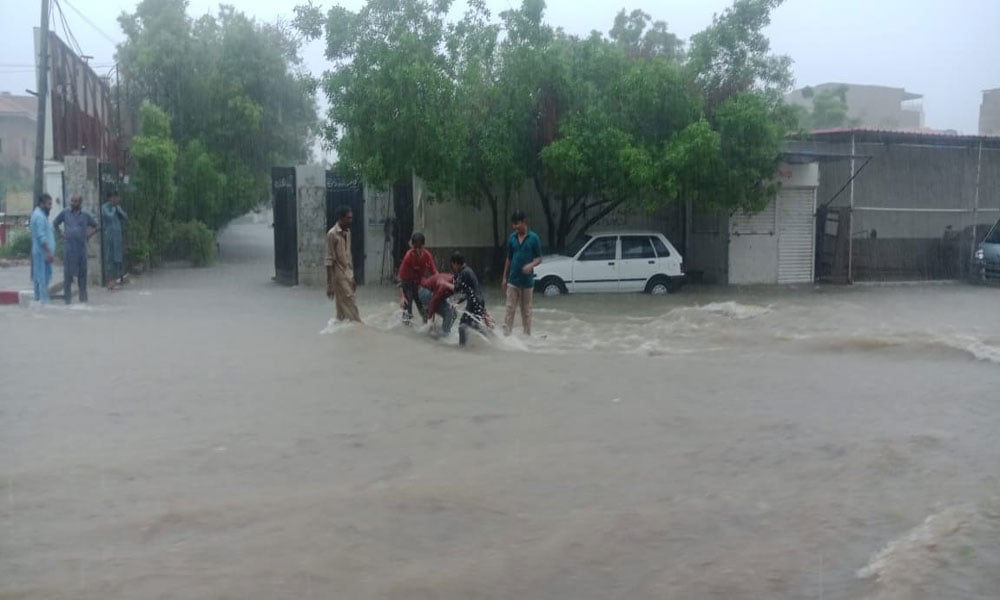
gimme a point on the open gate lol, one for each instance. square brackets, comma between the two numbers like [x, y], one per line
[286, 229]
[350, 193]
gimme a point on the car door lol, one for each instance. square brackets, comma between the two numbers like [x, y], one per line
[596, 267]
[638, 263]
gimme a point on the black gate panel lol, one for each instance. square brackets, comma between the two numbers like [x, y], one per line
[402, 203]
[286, 228]
[350, 193]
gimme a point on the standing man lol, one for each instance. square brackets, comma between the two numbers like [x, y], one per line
[43, 247]
[340, 283]
[417, 265]
[524, 253]
[112, 218]
[79, 228]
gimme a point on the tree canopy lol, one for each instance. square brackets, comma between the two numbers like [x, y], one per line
[235, 96]
[155, 155]
[631, 118]
[828, 109]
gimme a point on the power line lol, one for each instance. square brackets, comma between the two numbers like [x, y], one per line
[91, 23]
[70, 38]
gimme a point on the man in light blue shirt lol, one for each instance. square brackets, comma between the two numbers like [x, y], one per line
[43, 247]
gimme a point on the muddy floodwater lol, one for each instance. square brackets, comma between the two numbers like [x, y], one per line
[208, 434]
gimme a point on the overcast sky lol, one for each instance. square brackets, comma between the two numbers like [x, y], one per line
[948, 51]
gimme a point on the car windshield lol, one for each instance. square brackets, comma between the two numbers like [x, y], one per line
[577, 245]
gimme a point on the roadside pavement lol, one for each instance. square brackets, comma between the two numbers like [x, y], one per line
[16, 278]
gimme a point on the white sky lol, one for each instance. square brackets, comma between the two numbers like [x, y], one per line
[949, 51]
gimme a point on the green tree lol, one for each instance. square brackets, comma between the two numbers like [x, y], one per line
[632, 31]
[201, 192]
[391, 90]
[597, 123]
[743, 84]
[828, 109]
[493, 117]
[615, 113]
[235, 92]
[152, 203]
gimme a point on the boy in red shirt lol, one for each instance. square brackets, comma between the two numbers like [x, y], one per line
[434, 293]
[417, 265]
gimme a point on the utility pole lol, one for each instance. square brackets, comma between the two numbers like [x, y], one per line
[43, 94]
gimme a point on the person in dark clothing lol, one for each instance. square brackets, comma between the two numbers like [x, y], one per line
[77, 229]
[467, 285]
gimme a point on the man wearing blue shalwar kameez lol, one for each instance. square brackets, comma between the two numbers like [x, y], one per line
[79, 227]
[112, 217]
[43, 245]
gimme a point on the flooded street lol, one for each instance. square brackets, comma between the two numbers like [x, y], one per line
[206, 434]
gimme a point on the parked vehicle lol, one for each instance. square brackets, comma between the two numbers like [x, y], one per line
[613, 261]
[988, 255]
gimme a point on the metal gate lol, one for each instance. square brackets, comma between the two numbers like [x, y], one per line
[796, 235]
[348, 193]
[833, 226]
[286, 229]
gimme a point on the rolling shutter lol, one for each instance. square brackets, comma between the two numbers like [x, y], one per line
[796, 235]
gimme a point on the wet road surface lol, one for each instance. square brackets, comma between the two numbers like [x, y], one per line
[196, 436]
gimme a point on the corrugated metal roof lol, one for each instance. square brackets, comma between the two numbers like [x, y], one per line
[11, 105]
[918, 135]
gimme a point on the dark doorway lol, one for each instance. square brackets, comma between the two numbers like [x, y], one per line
[286, 229]
[833, 227]
[402, 205]
[350, 193]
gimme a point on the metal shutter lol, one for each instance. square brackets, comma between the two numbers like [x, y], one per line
[796, 235]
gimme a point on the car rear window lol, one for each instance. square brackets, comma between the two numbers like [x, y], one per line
[636, 246]
[661, 248]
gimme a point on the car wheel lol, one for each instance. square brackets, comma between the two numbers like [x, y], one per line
[658, 286]
[552, 286]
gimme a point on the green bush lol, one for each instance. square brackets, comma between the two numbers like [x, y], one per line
[18, 244]
[137, 254]
[193, 241]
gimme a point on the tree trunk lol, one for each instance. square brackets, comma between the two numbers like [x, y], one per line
[601, 214]
[491, 199]
[563, 222]
[547, 207]
[496, 265]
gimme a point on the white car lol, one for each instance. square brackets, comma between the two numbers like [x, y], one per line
[613, 261]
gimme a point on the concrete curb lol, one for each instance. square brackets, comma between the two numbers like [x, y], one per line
[26, 297]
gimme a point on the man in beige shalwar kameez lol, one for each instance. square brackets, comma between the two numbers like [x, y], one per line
[340, 284]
